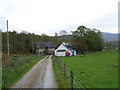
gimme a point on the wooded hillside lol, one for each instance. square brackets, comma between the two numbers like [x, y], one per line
[23, 42]
[83, 39]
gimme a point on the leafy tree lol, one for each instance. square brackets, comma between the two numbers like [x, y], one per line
[99, 41]
[90, 40]
[78, 41]
[85, 39]
[79, 44]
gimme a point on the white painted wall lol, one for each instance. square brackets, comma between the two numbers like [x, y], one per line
[61, 47]
[60, 54]
[74, 52]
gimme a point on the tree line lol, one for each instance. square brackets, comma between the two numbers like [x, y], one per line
[83, 39]
[23, 42]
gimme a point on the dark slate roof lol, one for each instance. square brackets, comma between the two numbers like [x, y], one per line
[67, 46]
[45, 44]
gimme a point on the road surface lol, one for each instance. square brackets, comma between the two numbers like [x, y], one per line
[40, 76]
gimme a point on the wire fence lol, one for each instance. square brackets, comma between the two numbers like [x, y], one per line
[71, 79]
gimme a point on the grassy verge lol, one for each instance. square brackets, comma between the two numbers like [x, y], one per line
[58, 75]
[15, 68]
[96, 69]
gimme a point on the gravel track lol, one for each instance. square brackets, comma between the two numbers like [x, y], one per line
[40, 76]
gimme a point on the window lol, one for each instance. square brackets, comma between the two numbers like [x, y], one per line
[61, 50]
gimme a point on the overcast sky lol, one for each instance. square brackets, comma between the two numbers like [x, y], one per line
[50, 16]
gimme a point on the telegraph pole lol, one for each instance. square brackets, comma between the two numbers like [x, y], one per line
[32, 45]
[7, 39]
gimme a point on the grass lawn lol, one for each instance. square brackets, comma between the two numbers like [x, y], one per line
[96, 69]
[58, 76]
[16, 67]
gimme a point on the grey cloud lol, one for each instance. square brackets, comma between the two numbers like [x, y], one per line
[108, 21]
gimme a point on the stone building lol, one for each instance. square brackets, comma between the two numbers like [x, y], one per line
[45, 47]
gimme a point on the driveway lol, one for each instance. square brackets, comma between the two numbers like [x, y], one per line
[40, 76]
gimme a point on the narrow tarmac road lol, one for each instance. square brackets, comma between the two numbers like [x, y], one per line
[40, 76]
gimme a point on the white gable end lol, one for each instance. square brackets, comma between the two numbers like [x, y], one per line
[62, 50]
[61, 47]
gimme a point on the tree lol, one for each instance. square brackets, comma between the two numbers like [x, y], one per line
[63, 36]
[63, 32]
[78, 41]
[56, 34]
[0, 30]
[56, 40]
[79, 44]
[45, 37]
[99, 41]
[85, 39]
[90, 40]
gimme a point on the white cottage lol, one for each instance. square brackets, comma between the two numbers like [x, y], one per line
[64, 50]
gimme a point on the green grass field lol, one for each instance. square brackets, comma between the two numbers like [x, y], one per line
[16, 67]
[58, 76]
[96, 69]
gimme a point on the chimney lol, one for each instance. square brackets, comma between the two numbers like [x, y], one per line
[63, 43]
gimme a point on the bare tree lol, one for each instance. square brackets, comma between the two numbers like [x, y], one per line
[56, 34]
[25, 32]
[44, 34]
[63, 32]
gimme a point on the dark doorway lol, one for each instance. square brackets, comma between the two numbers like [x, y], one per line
[46, 50]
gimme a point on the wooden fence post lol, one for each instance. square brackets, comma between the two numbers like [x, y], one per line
[64, 71]
[71, 79]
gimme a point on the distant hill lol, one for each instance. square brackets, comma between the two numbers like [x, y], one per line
[106, 36]
[110, 37]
